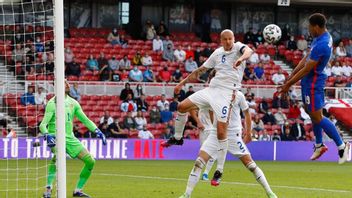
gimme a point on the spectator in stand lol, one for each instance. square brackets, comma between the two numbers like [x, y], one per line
[349, 84]
[339, 82]
[258, 38]
[148, 75]
[40, 96]
[136, 75]
[168, 54]
[104, 128]
[106, 118]
[158, 44]
[204, 78]
[154, 115]
[328, 69]
[259, 72]
[137, 58]
[180, 54]
[124, 75]
[145, 134]
[105, 73]
[349, 48]
[18, 53]
[298, 131]
[181, 96]
[129, 105]
[265, 58]
[49, 65]
[139, 91]
[92, 63]
[8, 33]
[292, 93]
[147, 59]
[264, 136]
[166, 115]
[142, 104]
[73, 68]
[269, 118]
[165, 75]
[207, 51]
[123, 41]
[149, 30]
[190, 91]
[174, 104]
[129, 122]
[286, 32]
[162, 29]
[189, 52]
[276, 136]
[278, 78]
[257, 124]
[68, 55]
[113, 37]
[167, 134]
[263, 106]
[32, 54]
[177, 76]
[287, 136]
[140, 120]
[190, 65]
[250, 75]
[254, 59]
[125, 63]
[302, 43]
[39, 46]
[249, 93]
[116, 131]
[291, 44]
[162, 103]
[252, 105]
[113, 64]
[197, 55]
[167, 42]
[336, 70]
[127, 90]
[74, 92]
[249, 36]
[341, 50]
[294, 112]
[280, 117]
[346, 69]
[28, 98]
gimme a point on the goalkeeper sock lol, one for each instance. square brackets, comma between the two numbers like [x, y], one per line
[259, 176]
[51, 172]
[180, 123]
[209, 166]
[223, 144]
[89, 162]
[194, 175]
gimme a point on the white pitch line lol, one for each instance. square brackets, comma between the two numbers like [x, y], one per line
[223, 182]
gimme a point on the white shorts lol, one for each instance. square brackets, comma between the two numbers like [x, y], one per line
[236, 146]
[218, 100]
[203, 135]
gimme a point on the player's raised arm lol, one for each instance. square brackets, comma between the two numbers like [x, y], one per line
[246, 53]
[48, 115]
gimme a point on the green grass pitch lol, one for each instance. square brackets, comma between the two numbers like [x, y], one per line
[167, 179]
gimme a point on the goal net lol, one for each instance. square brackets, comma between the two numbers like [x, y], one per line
[26, 84]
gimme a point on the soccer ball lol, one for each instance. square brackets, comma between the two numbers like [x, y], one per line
[272, 33]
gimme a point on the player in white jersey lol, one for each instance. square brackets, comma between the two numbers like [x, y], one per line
[236, 147]
[229, 63]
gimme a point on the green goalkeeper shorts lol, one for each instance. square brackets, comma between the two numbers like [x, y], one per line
[73, 147]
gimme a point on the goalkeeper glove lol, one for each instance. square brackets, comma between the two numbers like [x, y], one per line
[50, 139]
[100, 135]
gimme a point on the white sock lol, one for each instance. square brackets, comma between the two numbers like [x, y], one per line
[223, 144]
[77, 190]
[318, 145]
[194, 175]
[209, 166]
[342, 146]
[180, 123]
[259, 176]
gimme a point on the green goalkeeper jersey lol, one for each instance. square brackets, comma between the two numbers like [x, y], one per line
[72, 109]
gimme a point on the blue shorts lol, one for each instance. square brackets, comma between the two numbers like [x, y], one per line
[313, 98]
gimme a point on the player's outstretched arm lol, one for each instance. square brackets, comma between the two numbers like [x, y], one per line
[49, 113]
[246, 53]
[194, 75]
[194, 115]
[248, 124]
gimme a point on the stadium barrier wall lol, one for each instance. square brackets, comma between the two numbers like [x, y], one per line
[136, 149]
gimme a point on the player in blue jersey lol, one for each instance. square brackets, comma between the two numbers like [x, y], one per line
[310, 71]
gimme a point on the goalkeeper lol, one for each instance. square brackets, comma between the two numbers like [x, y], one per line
[74, 147]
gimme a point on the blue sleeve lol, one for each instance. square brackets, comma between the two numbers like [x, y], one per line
[316, 53]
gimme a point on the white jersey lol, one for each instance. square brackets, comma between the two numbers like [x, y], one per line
[222, 61]
[235, 122]
[204, 118]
